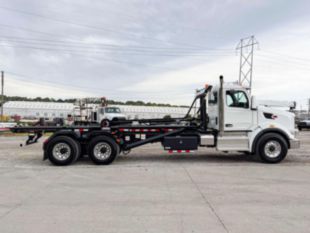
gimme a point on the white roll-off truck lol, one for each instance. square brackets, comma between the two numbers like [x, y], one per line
[224, 117]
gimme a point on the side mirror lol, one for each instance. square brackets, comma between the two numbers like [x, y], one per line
[254, 104]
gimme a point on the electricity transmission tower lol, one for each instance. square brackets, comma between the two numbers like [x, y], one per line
[246, 47]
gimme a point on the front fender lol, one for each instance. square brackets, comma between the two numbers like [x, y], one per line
[274, 128]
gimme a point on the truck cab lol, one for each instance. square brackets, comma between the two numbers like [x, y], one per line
[244, 121]
[105, 115]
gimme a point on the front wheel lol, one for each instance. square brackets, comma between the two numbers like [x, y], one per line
[102, 150]
[272, 148]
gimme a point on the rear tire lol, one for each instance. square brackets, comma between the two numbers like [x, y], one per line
[102, 150]
[63, 150]
[105, 123]
[272, 148]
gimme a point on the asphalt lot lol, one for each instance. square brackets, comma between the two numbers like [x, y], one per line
[152, 191]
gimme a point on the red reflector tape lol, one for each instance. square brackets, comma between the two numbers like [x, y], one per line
[139, 130]
[153, 130]
[180, 151]
[123, 130]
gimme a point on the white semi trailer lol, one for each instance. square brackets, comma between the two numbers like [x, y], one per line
[224, 117]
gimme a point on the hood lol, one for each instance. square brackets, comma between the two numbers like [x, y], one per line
[276, 116]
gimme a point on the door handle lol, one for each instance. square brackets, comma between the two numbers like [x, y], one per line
[229, 125]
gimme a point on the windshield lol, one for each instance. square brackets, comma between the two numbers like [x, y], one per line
[112, 110]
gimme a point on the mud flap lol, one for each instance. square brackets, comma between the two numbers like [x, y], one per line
[44, 155]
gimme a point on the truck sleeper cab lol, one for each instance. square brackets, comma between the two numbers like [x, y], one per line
[223, 117]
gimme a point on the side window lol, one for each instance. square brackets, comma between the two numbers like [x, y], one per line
[213, 98]
[229, 100]
[237, 99]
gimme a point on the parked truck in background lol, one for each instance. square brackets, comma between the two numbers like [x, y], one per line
[106, 115]
[304, 124]
[224, 117]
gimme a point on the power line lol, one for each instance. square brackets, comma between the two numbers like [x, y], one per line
[109, 30]
[113, 46]
[273, 61]
[82, 52]
[103, 51]
[72, 86]
[283, 55]
[301, 61]
[26, 29]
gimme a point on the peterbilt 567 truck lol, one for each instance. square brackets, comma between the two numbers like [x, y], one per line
[224, 117]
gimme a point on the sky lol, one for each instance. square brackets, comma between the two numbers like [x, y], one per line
[158, 51]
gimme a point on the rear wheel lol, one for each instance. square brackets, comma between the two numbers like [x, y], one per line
[63, 150]
[102, 150]
[272, 148]
[105, 123]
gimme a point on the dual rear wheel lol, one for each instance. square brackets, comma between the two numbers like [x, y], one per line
[63, 150]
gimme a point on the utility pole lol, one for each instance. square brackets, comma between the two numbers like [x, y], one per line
[2, 94]
[246, 47]
[308, 108]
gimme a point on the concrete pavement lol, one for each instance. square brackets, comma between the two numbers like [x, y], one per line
[152, 191]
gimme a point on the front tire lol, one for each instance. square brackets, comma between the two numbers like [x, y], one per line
[272, 148]
[63, 150]
[103, 150]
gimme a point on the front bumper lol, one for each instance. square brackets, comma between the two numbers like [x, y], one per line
[294, 144]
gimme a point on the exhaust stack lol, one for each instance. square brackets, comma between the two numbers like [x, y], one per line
[221, 107]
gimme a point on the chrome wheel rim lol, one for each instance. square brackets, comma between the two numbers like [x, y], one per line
[61, 151]
[102, 151]
[272, 149]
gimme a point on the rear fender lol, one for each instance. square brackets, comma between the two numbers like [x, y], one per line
[99, 133]
[69, 133]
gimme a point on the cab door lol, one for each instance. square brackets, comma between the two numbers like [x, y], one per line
[238, 114]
